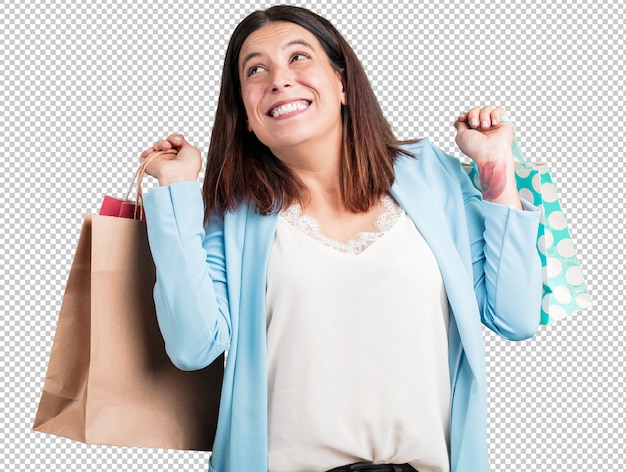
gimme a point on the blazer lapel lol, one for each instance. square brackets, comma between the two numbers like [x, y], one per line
[414, 194]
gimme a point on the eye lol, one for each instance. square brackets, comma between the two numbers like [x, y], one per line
[252, 70]
[299, 56]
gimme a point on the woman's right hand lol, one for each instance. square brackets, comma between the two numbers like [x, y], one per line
[183, 166]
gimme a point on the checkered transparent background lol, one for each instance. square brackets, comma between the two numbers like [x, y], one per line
[85, 86]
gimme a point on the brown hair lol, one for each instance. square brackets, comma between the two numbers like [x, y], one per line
[242, 169]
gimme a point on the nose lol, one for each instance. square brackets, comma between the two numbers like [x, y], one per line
[281, 79]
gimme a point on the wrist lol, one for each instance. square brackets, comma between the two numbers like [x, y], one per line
[499, 153]
[170, 178]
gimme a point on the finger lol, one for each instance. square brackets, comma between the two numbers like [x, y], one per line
[155, 147]
[146, 153]
[176, 140]
[496, 115]
[473, 117]
[160, 145]
[461, 123]
[485, 117]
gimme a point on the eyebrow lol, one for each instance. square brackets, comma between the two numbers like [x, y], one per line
[293, 42]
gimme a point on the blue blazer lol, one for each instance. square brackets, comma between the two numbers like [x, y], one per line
[211, 280]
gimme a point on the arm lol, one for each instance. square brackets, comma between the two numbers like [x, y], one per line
[506, 267]
[505, 264]
[191, 293]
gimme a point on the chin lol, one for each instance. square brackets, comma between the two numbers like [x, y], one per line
[285, 140]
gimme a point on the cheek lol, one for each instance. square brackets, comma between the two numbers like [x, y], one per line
[251, 107]
[249, 110]
[251, 101]
[336, 84]
[245, 98]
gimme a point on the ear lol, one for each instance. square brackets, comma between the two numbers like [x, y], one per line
[340, 75]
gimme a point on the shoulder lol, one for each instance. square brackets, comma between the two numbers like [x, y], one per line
[432, 168]
[427, 157]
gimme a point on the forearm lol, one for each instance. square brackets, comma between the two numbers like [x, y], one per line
[497, 181]
[190, 292]
[509, 281]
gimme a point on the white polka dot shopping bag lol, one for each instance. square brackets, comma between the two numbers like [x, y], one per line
[564, 289]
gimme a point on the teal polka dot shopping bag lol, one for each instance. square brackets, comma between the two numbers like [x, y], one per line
[564, 288]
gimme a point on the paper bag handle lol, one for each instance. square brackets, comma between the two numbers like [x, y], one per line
[139, 177]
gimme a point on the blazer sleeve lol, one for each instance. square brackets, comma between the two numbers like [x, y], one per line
[506, 266]
[190, 293]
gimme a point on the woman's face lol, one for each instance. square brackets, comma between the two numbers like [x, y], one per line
[291, 93]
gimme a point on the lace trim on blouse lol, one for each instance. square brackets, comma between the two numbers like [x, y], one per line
[360, 242]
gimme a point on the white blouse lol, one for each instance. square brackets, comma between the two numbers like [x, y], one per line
[357, 348]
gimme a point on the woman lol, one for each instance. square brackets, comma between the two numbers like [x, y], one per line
[346, 273]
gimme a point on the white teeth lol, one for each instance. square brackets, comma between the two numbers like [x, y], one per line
[289, 108]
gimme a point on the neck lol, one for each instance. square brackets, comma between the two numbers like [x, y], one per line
[318, 166]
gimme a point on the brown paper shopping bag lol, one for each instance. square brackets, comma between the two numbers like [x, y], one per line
[109, 380]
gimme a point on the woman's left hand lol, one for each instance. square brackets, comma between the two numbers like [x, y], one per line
[482, 136]
[488, 141]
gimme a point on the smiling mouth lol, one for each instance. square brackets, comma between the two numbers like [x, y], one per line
[290, 107]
